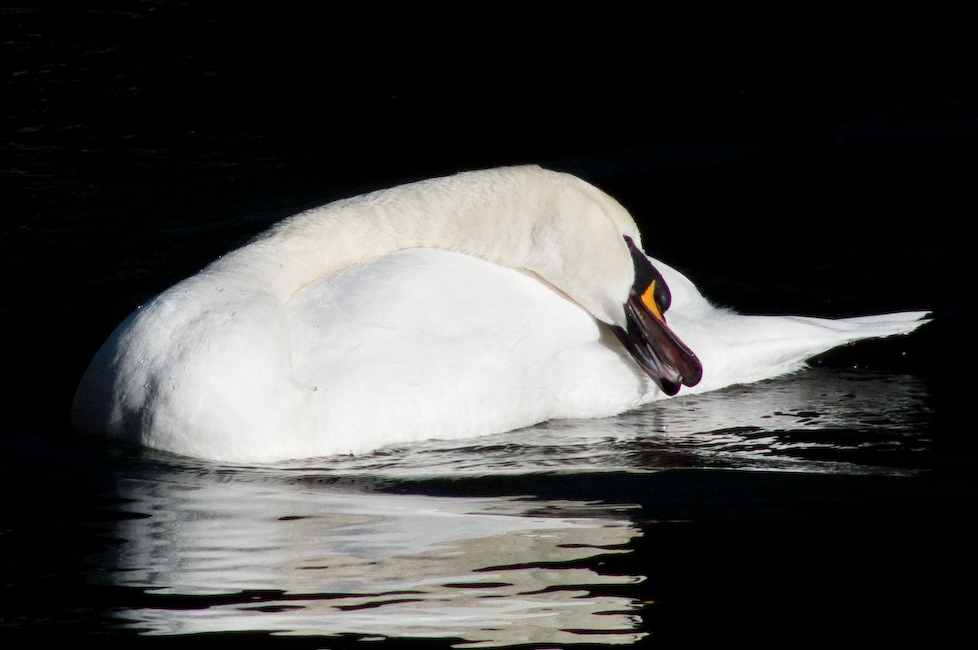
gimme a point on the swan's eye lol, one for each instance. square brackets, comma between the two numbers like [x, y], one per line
[647, 278]
[663, 297]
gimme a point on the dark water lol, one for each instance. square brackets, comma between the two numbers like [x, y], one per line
[831, 507]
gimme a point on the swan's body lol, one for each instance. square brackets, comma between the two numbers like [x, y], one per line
[450, 308]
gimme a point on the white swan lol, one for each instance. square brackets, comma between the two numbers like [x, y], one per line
[447, 308]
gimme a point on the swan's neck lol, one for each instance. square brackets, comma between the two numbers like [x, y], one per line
[429, 214]
[522, 217]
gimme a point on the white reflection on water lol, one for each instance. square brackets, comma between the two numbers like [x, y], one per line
[315, 547]
[395, 565]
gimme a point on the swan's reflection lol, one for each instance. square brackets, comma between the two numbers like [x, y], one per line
[820, 420]
[285, 548]
[376, 564]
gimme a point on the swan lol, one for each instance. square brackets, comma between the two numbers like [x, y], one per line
[446, 308]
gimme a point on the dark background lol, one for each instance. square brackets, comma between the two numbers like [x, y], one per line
[812, 161]
[141, 140]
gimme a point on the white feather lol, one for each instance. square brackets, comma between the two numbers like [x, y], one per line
[449, 308]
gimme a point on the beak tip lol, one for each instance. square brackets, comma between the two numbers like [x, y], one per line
[668, 387]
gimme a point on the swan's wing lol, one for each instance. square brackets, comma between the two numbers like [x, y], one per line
[426, 343]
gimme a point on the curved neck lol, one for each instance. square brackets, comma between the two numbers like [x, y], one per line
[490, 216]
[553, 224]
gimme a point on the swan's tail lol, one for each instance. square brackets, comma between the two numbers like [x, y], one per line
[737, 349]
[871, 327]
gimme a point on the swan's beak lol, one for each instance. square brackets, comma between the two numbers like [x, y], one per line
[648, 339]
[655, 347]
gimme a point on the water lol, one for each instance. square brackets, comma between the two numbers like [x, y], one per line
[551, 534]
[482, 569]
[833, 506]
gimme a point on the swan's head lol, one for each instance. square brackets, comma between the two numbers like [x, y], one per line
[592, 252]
[646, 336]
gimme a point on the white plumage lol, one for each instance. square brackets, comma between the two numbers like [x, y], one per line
[449, 308]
